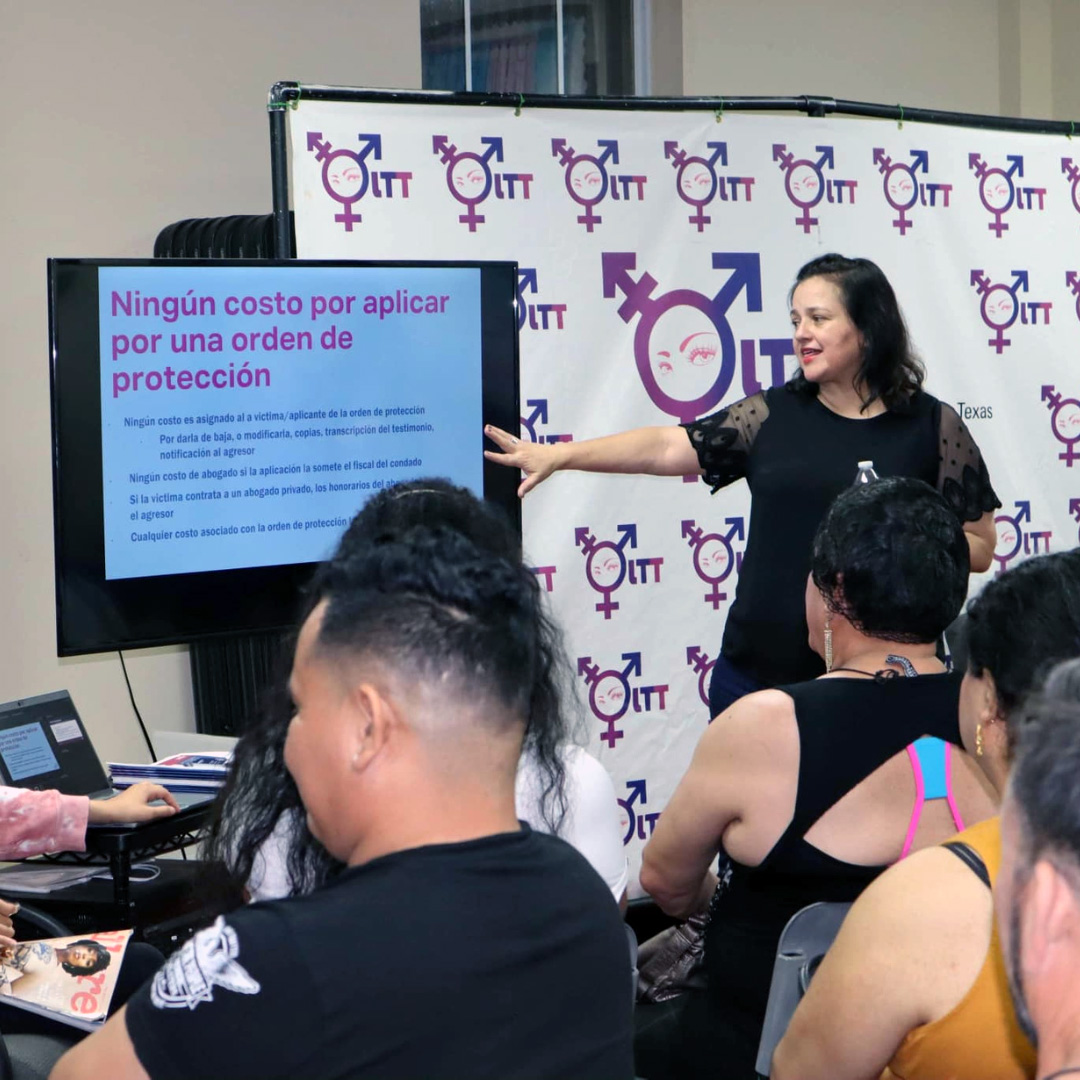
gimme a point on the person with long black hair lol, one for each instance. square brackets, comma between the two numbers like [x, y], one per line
[260, 833]
[857, 396]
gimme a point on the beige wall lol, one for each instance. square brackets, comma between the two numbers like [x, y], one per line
[666, 48]
[121, 116]
[922, 52]
[1012, 57]
[1065, 54]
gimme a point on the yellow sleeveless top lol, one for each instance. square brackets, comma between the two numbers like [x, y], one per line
[980, 1038]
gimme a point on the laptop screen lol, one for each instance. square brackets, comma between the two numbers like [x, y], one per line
[43, 744]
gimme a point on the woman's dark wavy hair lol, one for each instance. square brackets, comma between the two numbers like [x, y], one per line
[890, 369]
[1023, 623]
[892, 558]
[102, 958]
[260, 790]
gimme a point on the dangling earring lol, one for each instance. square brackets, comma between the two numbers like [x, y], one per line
[978, 740]
[828, 645]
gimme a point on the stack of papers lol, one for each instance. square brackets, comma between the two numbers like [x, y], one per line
[32, 877]
[197, 772]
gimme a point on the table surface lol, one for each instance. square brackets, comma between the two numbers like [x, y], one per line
[120, 845]
[149, 837]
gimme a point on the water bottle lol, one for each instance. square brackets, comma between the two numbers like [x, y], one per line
[865, 474]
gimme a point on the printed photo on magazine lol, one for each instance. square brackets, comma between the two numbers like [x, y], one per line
[70, 979]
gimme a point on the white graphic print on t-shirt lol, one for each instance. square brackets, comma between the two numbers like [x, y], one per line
[207, 960]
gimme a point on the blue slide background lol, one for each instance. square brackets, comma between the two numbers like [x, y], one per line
[429, 361]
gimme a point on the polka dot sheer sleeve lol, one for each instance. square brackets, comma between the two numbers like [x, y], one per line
[962, 476]
[723, 439]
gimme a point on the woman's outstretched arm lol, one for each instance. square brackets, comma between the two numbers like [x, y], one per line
[656, 451]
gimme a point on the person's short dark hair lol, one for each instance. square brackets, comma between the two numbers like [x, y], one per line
[892, 558]
[432, 604]
[260, 789]
[890, 370]
[1043, 779]
[1024, 622]
[101, 961]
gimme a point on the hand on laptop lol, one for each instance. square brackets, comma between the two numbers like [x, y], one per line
[134, 804]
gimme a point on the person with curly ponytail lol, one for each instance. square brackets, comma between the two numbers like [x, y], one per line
[260, 834]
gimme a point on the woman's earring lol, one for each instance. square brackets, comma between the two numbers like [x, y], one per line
[828, 646]
[978, 740]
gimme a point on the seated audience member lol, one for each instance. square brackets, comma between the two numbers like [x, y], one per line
[914, 983]
[261, 835]
[1038, 889]
[456, 942]
[808, 788]
[40, 822]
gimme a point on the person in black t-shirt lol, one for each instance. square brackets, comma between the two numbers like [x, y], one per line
[456, 942]
[857, 395]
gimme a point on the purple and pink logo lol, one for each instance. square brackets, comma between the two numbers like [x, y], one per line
[346, 177]
[538, 415]
[1064, 422]
[1012, 537]
[697, 182]
[902, 188]
[684, 346]
[699, 660]
[999, 191]
[1072, 280]
[1000, 306]
[536, 316]
[471, 178]
[637, 823]
[805, 183]
[608, 568]
[714, 556]
[1072, 173]
[612, 693]
[546, 576]
[589, 181]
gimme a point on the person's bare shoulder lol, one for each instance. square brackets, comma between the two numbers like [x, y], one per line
[906, 955]
[930, 918]
[762, 719]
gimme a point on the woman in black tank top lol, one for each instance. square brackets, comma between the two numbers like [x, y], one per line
[889, 573]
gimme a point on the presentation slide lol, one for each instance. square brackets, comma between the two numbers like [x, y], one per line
[248, 412]
[26, 751]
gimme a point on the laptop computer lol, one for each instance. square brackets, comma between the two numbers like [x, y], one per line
[44, 744]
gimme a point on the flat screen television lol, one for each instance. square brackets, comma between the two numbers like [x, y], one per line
[216, 425]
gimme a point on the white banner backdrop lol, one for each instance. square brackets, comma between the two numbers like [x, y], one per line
[656, 253]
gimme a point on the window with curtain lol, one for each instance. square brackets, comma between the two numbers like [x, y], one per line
[515, 46]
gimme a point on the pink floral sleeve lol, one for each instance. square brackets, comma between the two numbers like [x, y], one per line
[35, 822]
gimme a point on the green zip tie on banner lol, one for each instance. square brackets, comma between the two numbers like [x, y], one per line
[900, 122]
[521, 102]
[720, 112]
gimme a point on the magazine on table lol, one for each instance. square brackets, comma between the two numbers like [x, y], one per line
[201, 771]
[70, 979]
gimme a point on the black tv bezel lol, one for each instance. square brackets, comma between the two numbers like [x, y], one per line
[96, 615]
